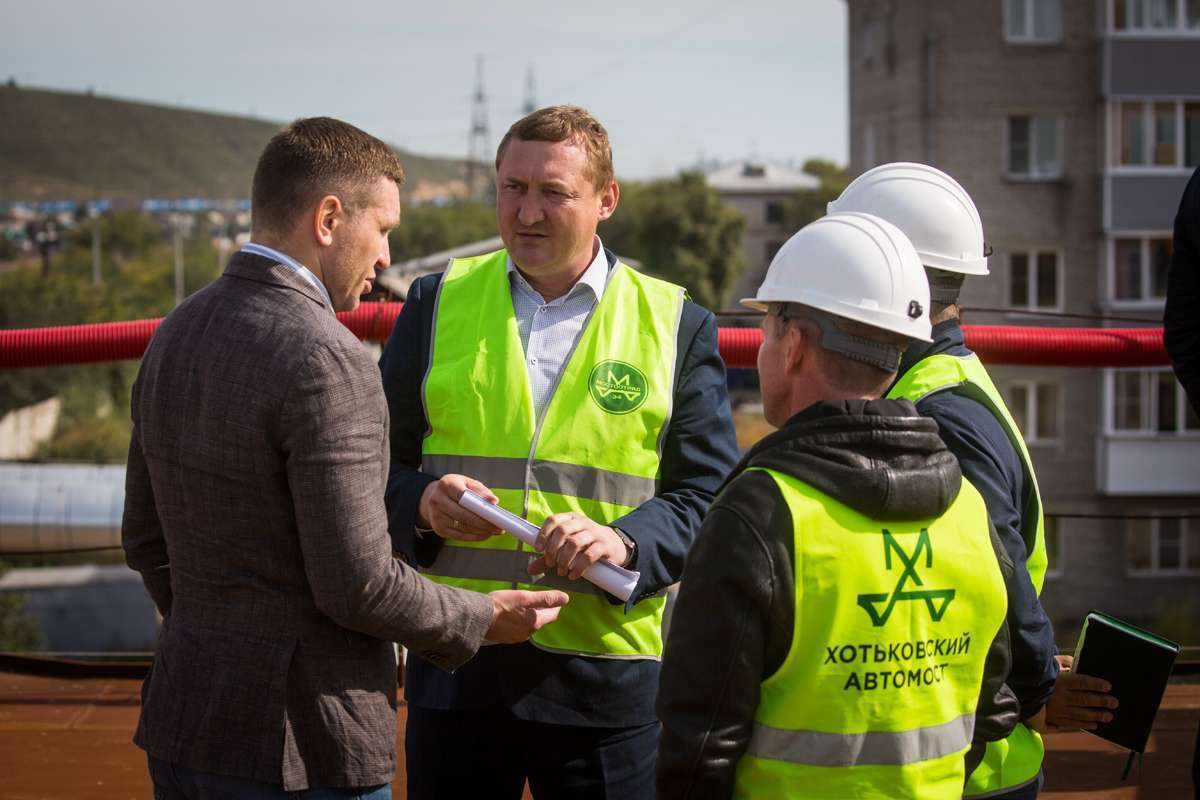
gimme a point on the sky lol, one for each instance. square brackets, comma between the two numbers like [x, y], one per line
[672, 81]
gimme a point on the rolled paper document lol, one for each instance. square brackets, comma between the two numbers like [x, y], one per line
[617, 581]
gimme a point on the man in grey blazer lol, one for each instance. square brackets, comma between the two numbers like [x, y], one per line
[254, 506]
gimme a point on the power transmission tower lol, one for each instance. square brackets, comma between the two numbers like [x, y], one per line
[530, 105]
[478, 144]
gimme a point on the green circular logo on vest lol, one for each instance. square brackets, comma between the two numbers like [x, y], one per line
[617, 387]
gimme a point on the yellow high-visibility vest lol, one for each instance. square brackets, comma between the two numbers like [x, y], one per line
[1015, 761]
[596, 448]
[876, 697]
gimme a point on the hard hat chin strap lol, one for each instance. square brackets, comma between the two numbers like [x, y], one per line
[859, 348]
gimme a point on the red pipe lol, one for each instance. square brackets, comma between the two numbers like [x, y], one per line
[996, 344]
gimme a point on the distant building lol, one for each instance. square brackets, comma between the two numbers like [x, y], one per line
[1074, 126]
[758, 190]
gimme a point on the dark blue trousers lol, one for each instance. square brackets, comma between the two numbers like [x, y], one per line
[490, 753]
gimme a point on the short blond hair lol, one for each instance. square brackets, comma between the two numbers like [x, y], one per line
[560, 124]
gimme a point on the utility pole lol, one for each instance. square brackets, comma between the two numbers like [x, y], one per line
[177, 226]
[478, 141]
[530, 104]
[94, 213]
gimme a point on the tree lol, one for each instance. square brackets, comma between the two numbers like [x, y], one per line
[808, 205]
[681, 230]
[425, 230]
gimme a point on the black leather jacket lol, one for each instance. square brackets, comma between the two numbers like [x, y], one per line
[732, 625]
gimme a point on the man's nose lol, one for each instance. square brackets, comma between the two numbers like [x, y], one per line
[530, 210]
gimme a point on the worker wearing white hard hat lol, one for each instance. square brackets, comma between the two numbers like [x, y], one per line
[949, 384]
[840, 628]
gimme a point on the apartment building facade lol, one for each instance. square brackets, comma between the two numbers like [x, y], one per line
[1075, 125]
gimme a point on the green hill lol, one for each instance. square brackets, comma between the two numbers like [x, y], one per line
[63, 145]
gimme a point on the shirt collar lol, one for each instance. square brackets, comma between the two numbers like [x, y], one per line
[291, 263]
[595, 277]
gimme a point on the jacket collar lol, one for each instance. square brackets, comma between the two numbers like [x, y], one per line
[879, 457]
[252, 267]
[947, 338]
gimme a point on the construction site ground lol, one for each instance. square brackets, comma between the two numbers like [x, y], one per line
[70, 738]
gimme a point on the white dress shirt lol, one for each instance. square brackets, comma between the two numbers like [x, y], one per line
[549, 331]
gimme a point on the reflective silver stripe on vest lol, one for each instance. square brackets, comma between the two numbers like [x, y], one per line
[505, 566]
[819, 749]
[557, 477]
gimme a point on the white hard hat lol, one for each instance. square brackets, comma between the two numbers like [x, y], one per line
[933, 210]
[855, 266]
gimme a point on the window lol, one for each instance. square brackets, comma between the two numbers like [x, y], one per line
[1033, 21]
[871, 38]
[774, 212]
[1191, 133]
[1054, 560]
[1155, 16]
[1033, 279]
[1034, 142]
[1159, 134]
[1149, 402]
[869, 146]
[1035, 408]
[1167, 545]
[1139, 268]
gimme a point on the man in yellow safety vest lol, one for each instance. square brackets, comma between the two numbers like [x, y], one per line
[840, 631]
[590, 398]
[949, 384]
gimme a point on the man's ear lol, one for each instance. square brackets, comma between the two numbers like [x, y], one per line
[327, 216]
[609, 197]
[795, 345]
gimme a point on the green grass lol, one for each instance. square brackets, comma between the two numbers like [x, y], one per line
[63, 145]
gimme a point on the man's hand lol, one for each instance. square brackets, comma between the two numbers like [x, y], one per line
[517, 613]
[1078, 701]
[570, 543]
[439, 509]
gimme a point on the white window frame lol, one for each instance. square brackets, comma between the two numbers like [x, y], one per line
[1179, 30]
[1029, 37]
[1115, 130]
[1034, 177]
[1149, 429]
[1187, 529]
[1031, 254]
[1147, 301]
[1031, 410]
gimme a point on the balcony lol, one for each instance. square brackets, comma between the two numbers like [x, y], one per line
[1143, 200]
[1141, 465]
[1153, 66]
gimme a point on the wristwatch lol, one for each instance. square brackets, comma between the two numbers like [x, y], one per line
[630, 545]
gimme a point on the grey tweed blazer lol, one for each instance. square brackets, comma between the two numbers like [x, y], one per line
[254, 512]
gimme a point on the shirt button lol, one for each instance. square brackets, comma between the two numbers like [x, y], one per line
[533, 361]
[543, 309]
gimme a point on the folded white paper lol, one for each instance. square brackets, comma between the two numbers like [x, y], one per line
[617, 581]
